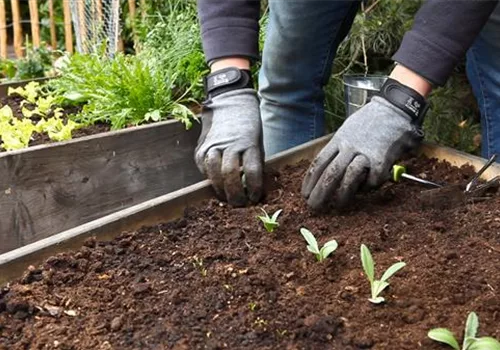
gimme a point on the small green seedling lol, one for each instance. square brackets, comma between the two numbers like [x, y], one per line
[324, 252]
[252, 306]
[198, 264]
[377, 286]
[443, 335]
[270, 222]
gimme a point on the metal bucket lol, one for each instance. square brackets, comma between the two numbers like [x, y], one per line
[359, 89]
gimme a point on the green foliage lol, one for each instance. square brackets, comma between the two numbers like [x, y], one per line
[312, 245]
[37, 63]
[175, 35]
[451, 120]
[160, 82]
[270, 222]
[122, 91]
[471, 342]
[16, 133]
[377, 286]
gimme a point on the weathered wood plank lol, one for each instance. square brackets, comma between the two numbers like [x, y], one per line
[51, 188]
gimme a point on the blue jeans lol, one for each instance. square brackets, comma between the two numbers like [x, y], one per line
[483, 71]
[302, 38]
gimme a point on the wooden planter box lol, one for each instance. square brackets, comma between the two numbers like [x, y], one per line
[47, 189]
[164, 207]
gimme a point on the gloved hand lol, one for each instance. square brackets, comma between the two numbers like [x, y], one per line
[231, 136]
[361, 152]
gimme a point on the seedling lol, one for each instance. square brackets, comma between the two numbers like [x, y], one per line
[198, 264]
[252, 306]
[270, 222]
[320, 254]
[377, 286]
[443, 335]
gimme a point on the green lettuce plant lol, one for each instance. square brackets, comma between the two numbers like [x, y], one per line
[377, 286]
[471, 342]
[320, 254]
[16, 133]
[270, 222]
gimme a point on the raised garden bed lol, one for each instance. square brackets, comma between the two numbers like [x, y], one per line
[50, 188]
[214, 278]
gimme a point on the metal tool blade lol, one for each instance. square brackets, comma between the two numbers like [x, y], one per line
[476, 177]
[419, 180]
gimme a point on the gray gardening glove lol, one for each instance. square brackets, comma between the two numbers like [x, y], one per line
[361, 153]
[232, 136]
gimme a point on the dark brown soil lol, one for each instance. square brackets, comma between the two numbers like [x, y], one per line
[216, 279]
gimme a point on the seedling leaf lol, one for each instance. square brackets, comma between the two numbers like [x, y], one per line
[379, 286]
[368, 264]
[328, 249]
[471, 326]
[484, 343]
[270, 223]
[392, 270]
[443, 335]
[311, 249]
[276, 214]
[311, 240]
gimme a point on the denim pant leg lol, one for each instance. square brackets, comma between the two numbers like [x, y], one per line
[483, 71]
[302, 38]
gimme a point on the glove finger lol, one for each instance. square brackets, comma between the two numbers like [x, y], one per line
[212, 168]
[233, 187]
[253, 169]
[317, 167]
[354, 176]
[329, 181]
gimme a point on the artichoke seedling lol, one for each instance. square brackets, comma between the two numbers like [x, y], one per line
[270, 222]
[471, 342]
[377, 286]
[324, 252]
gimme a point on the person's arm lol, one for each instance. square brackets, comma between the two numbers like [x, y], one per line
[442, 33]
[230, 29]
[363, 150]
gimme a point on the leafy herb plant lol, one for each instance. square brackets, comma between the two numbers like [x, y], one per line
[16, 133]
[320, 254]
[377, 286]
[270, 222]
[471, 342]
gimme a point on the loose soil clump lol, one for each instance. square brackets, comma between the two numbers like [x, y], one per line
[215, 279]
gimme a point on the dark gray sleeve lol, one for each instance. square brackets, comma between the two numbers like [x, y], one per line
[229, 28]
[441, 35]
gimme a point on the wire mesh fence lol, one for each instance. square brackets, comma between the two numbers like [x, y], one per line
[96, 23]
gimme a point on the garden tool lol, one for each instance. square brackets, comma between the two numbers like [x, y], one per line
[450, 196]
[399, 171]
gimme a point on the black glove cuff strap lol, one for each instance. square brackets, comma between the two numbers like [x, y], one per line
[406, 99]
[227, 79]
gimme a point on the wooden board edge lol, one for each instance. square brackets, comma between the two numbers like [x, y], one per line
[90, 138]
